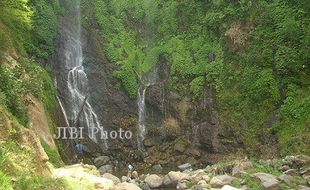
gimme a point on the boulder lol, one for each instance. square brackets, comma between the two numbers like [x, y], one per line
[144, 186]
[149, 142]
[186, 166]
[126, 186]
[166, 180]
[287, 179]
[124, 179]
[291, 172]
[153, 181]
[297, 161]
[193, 152]
[302, 187]
[181, 186]
[197, 175]
[113, 178]
[157, 169]
[106, 169]
[228, 187]
[179, 147]
[239, 167]
[177, 176]
[135, 175]
[268, 181]
[220, 181]
[197, 187]
[101, 160]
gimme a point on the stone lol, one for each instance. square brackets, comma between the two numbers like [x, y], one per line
[149, 142]
[178, 176]
[166, 180]
[106, 169]
[135, 174]
[144, 186]
[268, 181]
[193, 152]
[115, 179]
[126, 186]
[305, 171]
[287, 179]
[124, 179]
[153, 181]
[239, 167]
[283, 168]
[228, 187]
[181, 186]
[186, 166]
[197, 187]
[297, 161]
[157, 169]
[302, 187]
[197, 175]
[206, 178]
[179, 147]
[220, 181]
[291, 172]
[101, 160]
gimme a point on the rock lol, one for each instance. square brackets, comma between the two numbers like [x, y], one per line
[206, 178]
[124, 179]
[126, 186]
[186, 166]
[177, 176]
[157, 169]
[291, 172]
[197, 187]
[197, 175]
[228, 187]
[101, 160]
[179, 147]
[115, 179]
[283, 168]
[203, 183]
[305, 171]
[220, 181]
[268, 181]
[193, 152]
[166, 180]
[181, 186]
[135, 174]
[153, 181]
[239, 167]
[149, 142]
[144, 186]
[106, 169]
[286, 179]
[297, 161]
[302, 187]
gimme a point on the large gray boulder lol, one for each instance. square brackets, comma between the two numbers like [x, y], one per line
[106, 169]
[220, 181]
[268, 181]
[101, 160]
[153, 181]
[186, 166]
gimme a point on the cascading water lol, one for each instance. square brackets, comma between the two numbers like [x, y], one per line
[141, 113]
[77, 108]
[149, 79]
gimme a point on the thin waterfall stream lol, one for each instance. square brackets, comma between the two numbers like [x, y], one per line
[77, 109]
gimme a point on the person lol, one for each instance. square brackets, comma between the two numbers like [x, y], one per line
[79, 148]
[130, 168]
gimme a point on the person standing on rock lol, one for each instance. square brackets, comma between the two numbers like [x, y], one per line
[79, 148]
[130, 169]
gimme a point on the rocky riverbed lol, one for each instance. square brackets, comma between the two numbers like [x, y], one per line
[291, 172]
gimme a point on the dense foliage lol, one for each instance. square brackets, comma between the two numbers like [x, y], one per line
[255, 54]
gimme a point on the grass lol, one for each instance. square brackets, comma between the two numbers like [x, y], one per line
[53, 155]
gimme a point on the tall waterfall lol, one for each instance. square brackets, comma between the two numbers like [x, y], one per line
[148, 80]
[141, 113]
[77, 108]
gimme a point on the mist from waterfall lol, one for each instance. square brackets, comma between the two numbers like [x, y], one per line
[78, 110]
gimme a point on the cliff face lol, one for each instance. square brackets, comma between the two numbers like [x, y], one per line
[172, 119]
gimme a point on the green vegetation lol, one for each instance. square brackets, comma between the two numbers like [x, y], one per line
[53, 156]
[254, 54]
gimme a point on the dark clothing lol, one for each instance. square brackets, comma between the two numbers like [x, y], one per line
[79, 156]
[79, 148]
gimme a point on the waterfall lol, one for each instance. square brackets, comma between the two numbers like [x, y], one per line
[141, 113]
[147, 80]
[77, 108]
